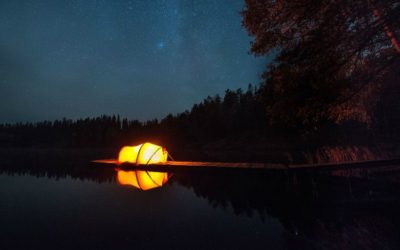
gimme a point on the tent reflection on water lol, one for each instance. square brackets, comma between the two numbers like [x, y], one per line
[142, 179]
[143, 154]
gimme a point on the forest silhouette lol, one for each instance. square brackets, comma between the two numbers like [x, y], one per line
[334, 81]
[236, 121]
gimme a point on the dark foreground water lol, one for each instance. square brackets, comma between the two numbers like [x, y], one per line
[55, 200]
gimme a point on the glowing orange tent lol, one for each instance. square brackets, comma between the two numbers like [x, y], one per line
[143, 180]
[146, 153]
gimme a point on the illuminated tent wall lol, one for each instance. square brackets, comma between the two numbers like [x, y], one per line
[146, 153]
[143, 180]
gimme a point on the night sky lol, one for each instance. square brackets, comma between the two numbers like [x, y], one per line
[139, 59]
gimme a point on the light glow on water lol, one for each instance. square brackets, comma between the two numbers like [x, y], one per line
[144, 180]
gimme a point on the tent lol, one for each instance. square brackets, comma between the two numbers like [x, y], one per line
[146, 153]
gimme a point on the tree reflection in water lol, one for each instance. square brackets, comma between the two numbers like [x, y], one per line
[317, 211]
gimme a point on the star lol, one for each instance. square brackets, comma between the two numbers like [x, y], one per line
[161, 45]
[109, 50]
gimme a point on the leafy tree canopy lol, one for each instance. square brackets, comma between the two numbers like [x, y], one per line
[332, 57]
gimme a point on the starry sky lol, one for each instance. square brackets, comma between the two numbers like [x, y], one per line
[139, 59]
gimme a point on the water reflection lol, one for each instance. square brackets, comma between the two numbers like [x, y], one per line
[316, 211]
[144, 180]
[56, 163]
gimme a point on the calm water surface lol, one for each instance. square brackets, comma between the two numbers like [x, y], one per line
[59, 202]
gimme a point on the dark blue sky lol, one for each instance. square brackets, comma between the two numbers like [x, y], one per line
[140, 59]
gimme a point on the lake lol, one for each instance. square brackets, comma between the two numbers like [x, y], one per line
[53, 199]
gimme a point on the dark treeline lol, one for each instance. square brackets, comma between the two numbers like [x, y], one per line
[235, 119]
[214, 118]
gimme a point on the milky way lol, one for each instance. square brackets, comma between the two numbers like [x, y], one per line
[139, 59]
